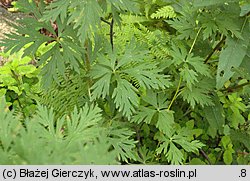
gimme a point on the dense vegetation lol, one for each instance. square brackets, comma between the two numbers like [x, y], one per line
[139, 81]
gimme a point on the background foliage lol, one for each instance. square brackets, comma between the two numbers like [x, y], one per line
[141, 82]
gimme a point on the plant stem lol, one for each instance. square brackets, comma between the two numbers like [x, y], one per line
[180, 80]
[214, 49]
[111, 31]
[195, 39]
[205, 156]
[176, 93]
[232, 88]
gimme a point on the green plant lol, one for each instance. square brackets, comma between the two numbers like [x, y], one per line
[44, 140]
[19, 82]
[170, 78]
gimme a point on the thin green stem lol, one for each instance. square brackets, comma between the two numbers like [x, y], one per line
[195, 39]
[179, 84]
[176, 93]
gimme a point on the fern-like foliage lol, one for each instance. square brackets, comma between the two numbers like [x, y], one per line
[158, 41]
[63, 97]
[164, 12]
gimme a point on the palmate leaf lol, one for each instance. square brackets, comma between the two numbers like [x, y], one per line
[189, 76]
[165, 121]
[56, 62]
[200, 93]
[56, 9]
[196, 96]
[147, 75]
[101, 87]
[232, 56]
[66, 51]
[157, 100]
[44, 140]
[84, 124]
[190, 66]
[210, 28]
[226, 23]
[188, 146]
[172, 153]
[123, 144]
[81, 125]
[119, 71]
[164, 118]
[29, 27]
[145, 114]
[181, 138]
[85, 17]
[64, 48]
[30, 6]
[85, 14]
[198, 65]
[185, 24]
[155, 112]
[102, 72]
[49, 129]
[125, 97]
